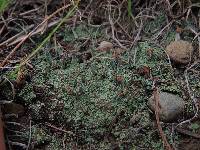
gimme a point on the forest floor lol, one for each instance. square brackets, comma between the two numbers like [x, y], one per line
[77, 94]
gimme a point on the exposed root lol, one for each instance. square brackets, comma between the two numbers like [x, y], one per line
[157, 98]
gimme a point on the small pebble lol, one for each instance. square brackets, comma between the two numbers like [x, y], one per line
[105, 46]
[180, 51]
[171, 106]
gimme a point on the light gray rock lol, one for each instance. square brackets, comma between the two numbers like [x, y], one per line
[171, 106]
[105, 46]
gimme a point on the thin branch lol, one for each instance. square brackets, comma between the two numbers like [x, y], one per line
[194, 100]
[59, 129]
[30, 135]
[30, 33]
[157, 110]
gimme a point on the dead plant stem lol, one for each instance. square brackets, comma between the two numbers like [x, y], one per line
[157, 110]
[30, 33]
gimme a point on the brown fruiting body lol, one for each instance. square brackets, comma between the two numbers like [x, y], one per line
[180, 51]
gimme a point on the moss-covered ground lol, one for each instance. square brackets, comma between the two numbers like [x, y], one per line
[80, 97]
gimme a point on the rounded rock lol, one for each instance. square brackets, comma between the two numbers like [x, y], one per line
[180, 52]
[171, 106]
[105, 46]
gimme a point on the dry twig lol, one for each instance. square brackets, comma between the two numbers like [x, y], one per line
[194, 100]
[189, 133]
[113, 28]
[136, 39]
[30, 136]
[30, 33]
[157, 98]
[161, 31]
[59, 129]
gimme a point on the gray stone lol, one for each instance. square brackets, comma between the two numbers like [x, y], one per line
[171, 106]
[105, 46]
